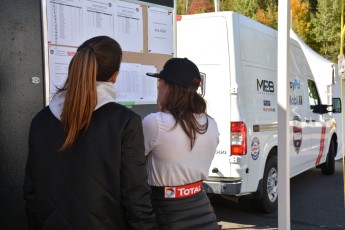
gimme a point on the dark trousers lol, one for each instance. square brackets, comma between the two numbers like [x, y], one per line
[191, 213]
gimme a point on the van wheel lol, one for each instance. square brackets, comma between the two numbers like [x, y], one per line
[328, 168]
[268, 202]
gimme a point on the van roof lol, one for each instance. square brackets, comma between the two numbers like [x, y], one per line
[321, 68]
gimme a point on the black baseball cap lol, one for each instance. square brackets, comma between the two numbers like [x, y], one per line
[181, 72]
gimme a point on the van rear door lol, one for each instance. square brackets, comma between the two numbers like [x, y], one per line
[209, 49]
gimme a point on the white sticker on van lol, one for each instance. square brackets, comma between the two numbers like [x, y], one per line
[297, 133]
[202, 86]
[255, 148]
[267, 103]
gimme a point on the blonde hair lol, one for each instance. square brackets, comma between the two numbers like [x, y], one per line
[97, 59]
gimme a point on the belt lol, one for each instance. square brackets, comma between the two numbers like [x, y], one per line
[181, 191]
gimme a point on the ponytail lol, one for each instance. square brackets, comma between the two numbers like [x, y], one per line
[81, 95]
[97, 59]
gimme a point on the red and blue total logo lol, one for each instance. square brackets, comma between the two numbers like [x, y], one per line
[183, 190]
[169, 192]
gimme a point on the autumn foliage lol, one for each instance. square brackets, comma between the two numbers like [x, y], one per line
[200, 6]
[314, 21]
[300, 21]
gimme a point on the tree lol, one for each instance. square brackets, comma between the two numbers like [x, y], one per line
[194, 6]
[200, 6]
[227, 5]
[269, 15]
[247, 7]
[326, 28]
[182, 6]
[301, 22]
[312, 6]
[315, 21]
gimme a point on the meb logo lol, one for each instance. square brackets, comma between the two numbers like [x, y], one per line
[201, 89]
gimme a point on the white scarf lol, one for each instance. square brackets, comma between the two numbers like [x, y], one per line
[105, 93]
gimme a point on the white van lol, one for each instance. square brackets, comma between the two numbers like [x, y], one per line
[238, 59]
[327, 79]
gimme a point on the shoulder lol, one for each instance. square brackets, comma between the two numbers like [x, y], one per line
[212, 124]
[150, 119]
[44, 120]
[158, 117]
[155, 120]
[42, 115]
[116, 110]
[43, 112]
[202, 118]
[211, 120]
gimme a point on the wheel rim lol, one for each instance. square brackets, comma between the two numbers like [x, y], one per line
[272, 185]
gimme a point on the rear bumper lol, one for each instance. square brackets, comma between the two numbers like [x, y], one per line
[232, 187]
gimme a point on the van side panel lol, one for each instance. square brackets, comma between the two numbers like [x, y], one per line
[300, 130]
[258, 55]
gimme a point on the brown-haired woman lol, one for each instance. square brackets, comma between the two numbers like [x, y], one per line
[86, 162]
[180, 142]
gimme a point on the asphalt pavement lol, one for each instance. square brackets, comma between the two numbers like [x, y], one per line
[316, 202]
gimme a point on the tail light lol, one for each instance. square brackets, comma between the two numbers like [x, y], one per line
[238, 138]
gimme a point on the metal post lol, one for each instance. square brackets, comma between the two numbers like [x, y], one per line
[175, 28]
[341, 77]
[186, 6]
[342, 130]
[216, 6]
[342, 27]
[283, 115]
[45, 52]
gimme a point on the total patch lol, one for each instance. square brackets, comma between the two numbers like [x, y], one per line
[255, 148]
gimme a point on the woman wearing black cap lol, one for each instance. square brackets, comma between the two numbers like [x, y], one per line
[180, 142]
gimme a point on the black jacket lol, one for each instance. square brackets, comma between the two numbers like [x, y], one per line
[99, 183]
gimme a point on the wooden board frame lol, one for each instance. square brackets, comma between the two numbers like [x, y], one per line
[144, 58]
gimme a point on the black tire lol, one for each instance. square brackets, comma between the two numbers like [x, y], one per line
[268, 202]
[328, 168]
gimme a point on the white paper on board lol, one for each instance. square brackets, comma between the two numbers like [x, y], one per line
[148, 85]
[65, 20]
[59, 59]
[132, 84]
[128, 26]
[160, 31]
[98, 18]
[127, 83]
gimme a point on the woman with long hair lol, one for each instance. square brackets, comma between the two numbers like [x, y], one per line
[86, 163]
[180, 142]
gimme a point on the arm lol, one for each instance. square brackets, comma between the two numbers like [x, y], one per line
[29, 191]
[136, 193]
[151, 130]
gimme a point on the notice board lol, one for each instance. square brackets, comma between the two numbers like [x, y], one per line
[144, 29]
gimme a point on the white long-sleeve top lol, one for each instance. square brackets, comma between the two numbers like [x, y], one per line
[170, 161]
